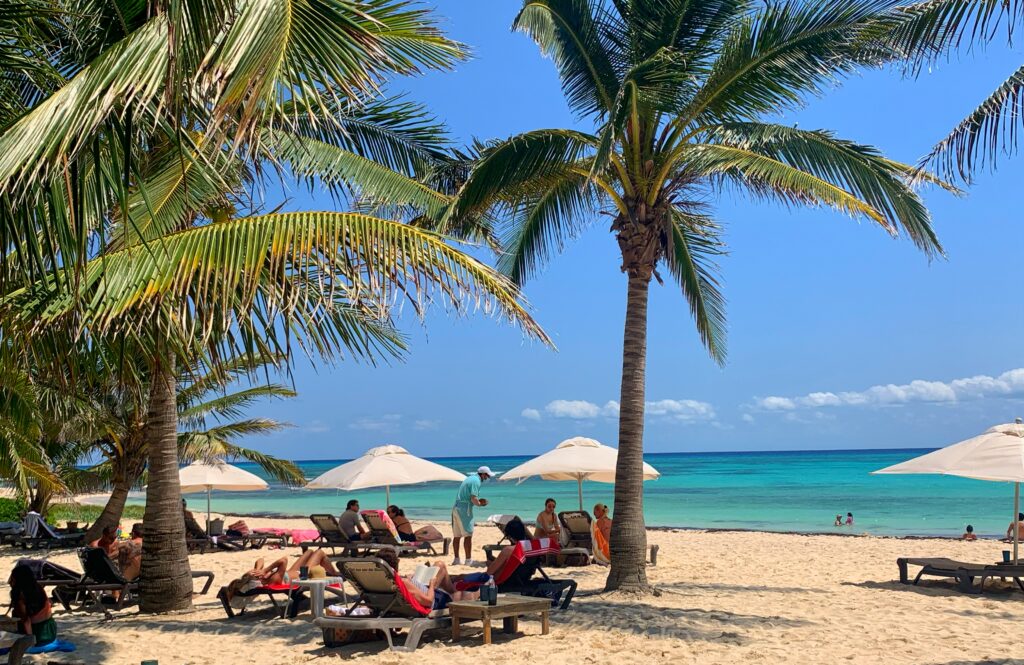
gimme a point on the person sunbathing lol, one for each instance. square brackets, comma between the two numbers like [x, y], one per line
[405, 530]
[275, 572]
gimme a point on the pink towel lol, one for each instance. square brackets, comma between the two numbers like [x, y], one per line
[303, 535]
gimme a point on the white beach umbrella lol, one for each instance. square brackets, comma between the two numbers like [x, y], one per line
[579, 459]
[383, 466]
[205, 477]
[996, 455]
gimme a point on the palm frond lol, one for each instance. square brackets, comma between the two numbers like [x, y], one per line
[979, 139]
[229, 405]
[348, 172]
[541, 223]
[358, 257]
[522, 159]
[567, 32]
[816, 167]
[773, 59]
[694, 245]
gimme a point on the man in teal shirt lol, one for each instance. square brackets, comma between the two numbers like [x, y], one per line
[462, 512]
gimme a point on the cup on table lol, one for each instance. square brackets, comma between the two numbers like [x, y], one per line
[303, 572]
[1006, 556]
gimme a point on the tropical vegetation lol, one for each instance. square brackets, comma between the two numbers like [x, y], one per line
[682, 100]
[924, 32]
[132, 158]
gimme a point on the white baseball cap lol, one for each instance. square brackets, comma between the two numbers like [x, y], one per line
[485, 469]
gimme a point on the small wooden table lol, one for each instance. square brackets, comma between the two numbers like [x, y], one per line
[508, 609]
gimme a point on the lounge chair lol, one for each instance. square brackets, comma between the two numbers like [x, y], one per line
[38, 534]
[387, 598]
[291, 594]
[518, 573]
[383, 532]
[50, 574]
[500, 521]
[577, 525]
[964, 573]
[103, 584]
[330, 536]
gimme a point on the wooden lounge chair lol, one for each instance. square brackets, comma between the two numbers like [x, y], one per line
[331, 535]
[384, 533]
[523, 574]
[577, 525]
[388, 600]
[103, 585]
[964, 573]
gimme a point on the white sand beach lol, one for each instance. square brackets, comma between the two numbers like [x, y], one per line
[725, 597]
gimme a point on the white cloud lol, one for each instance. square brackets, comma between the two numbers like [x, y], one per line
[1007, 384]
[317, 427]
[385, 422]
[572, 408]
[426, 424]
[682, 410]
[747, 418]
[776, 403]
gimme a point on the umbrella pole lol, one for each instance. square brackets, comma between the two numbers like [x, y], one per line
[579, 488]
[387, 497]
[1017, 511]
[208, 489]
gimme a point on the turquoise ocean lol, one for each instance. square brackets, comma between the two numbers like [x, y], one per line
[771, 491]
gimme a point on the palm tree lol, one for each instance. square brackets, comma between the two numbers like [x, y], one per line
[113, 424]
[121, 186]
[678, 93]
[923, 32]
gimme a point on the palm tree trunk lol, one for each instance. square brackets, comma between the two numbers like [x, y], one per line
[628, 544]
[166, 580]
[112, 511]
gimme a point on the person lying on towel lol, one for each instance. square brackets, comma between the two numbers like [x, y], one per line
[273, 574]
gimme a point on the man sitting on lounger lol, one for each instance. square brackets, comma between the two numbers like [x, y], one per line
[107, 541]
[351, 524]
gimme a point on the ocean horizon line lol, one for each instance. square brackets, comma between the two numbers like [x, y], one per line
[651, 454]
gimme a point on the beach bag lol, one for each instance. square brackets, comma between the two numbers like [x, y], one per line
[337, 637]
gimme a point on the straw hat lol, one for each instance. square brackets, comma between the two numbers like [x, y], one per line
[317, 573]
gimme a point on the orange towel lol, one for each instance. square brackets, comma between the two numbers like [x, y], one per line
[601, 553]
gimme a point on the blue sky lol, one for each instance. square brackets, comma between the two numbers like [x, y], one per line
[840, 337]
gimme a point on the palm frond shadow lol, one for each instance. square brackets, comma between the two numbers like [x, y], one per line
[692, 623]
[682, 587]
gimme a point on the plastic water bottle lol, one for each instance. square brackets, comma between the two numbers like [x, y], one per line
[492, 591]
